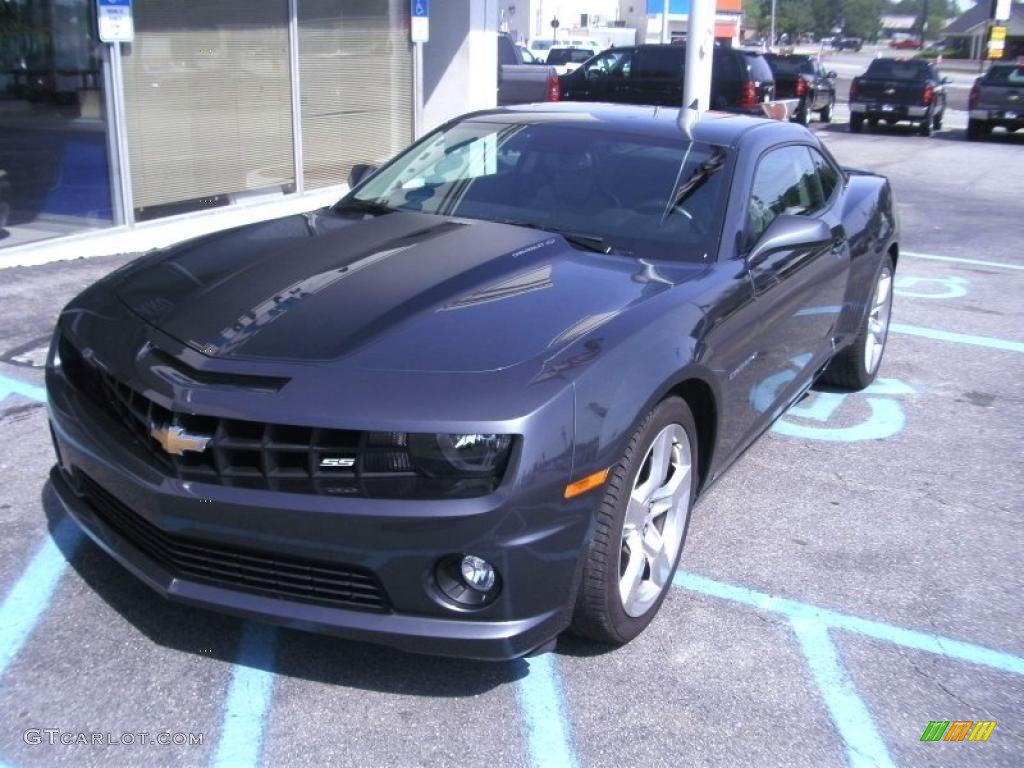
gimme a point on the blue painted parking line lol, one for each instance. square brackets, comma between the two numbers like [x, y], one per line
[959, 338]
[32, 593]
[908, 638]
[9, 386]
[542, 706]
[249, 696]
[959, 260]
[865, 747]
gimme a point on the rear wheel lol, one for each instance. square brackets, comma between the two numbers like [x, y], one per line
[977, 129]
[826, 112]
[925, 128]
[856, 123]
[938, 120]
[856, 366]
[641, 526]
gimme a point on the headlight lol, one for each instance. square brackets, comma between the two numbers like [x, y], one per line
[463, 455]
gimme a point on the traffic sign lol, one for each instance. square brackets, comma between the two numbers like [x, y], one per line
[420, 29]
[114, 19]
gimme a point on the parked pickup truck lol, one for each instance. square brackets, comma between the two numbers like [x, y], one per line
[897, 90]
[520, 83]
[996, 100]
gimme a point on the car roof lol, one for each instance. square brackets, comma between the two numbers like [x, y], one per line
[721, 128]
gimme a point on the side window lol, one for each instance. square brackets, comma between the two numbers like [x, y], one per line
[828, 174]
[660, 63]
[786, 181]
[614, 65]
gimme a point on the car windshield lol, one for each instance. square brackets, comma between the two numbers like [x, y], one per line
[1005, 76]
[643, 195]
[790, 65]
[895, 69]
[569, 55]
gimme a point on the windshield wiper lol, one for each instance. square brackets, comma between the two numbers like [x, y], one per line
[593, 243]
[362, 206]
[697, 179]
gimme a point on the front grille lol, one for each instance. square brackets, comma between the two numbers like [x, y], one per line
[221, 565]
[264, 456]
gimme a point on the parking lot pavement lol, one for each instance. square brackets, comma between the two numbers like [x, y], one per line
[855, 576]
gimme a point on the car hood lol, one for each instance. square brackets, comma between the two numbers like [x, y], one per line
[402, 291]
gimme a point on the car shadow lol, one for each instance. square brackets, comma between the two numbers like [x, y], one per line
[303, 655]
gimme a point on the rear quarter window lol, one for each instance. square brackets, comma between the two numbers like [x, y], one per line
[759, 69]
[659, 63]
[1005, 76]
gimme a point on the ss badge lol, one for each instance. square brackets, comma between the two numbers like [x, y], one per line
[337, 462]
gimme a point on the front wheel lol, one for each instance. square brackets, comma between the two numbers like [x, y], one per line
[641, 526]
[856, 366]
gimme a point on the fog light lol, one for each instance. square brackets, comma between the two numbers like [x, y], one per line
[467, 580]
[477, 573]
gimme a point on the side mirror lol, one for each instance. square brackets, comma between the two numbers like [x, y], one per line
[361, 172]
[831, 75]
[789, 233]
[946, 80]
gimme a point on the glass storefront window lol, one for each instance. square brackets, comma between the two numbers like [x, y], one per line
[54, 161]
[208, 104]
[355, 75]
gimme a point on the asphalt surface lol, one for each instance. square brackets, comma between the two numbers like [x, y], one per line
[856, 575]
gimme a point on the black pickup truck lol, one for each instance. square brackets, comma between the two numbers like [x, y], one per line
[803, 77]
[897, 90]
[997, 100]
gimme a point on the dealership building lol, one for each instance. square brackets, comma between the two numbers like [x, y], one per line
[217, 112]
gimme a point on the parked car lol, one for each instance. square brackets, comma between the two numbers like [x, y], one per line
[540, 46]
[897, 90]
[906, 43]
[804, 78]
[847, 43]
[568, 59]
[520, 82]
[997, 101]
[555, 327]
[741, 81]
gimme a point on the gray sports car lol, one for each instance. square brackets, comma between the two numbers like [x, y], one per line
[470, 405]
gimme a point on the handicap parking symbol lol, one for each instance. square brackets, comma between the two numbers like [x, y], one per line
[820, 415]
[931, 287]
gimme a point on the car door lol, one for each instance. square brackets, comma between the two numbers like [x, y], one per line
[602, 78]
[798, 292]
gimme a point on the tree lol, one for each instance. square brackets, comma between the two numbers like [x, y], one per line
[862, 18]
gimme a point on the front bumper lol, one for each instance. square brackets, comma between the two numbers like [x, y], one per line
[889, 111]
[528, 532]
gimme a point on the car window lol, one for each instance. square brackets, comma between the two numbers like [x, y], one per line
[541, 45]
[897, 69]
[660, 63]
[725, 66]
[528, 58]
[612, 65]
[759, 70]
[790, 65]
[1005, 76]
[569, 55]
[786, 181]
[629, 190]
[828, 174]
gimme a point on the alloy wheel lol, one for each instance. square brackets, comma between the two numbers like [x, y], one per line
[878, 321]
[655, 521]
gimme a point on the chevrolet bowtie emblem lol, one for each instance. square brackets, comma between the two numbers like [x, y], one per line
[176, 440]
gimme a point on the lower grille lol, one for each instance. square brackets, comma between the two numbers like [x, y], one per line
[244, 570]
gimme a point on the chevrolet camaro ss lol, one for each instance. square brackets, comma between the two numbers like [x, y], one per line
[470, 405]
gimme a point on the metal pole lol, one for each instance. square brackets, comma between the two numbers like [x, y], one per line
[120, 126]
[417, 90]
[665, 36]
[293, 65]
[771, 42]
[700, 46]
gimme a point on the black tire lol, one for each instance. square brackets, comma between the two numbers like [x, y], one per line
[856, 123]
[599, 613]
[802, 116]
[849, 368]
[938, 120]
[977, 129]
[925, 128]
[873, 123]
[826, 112]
